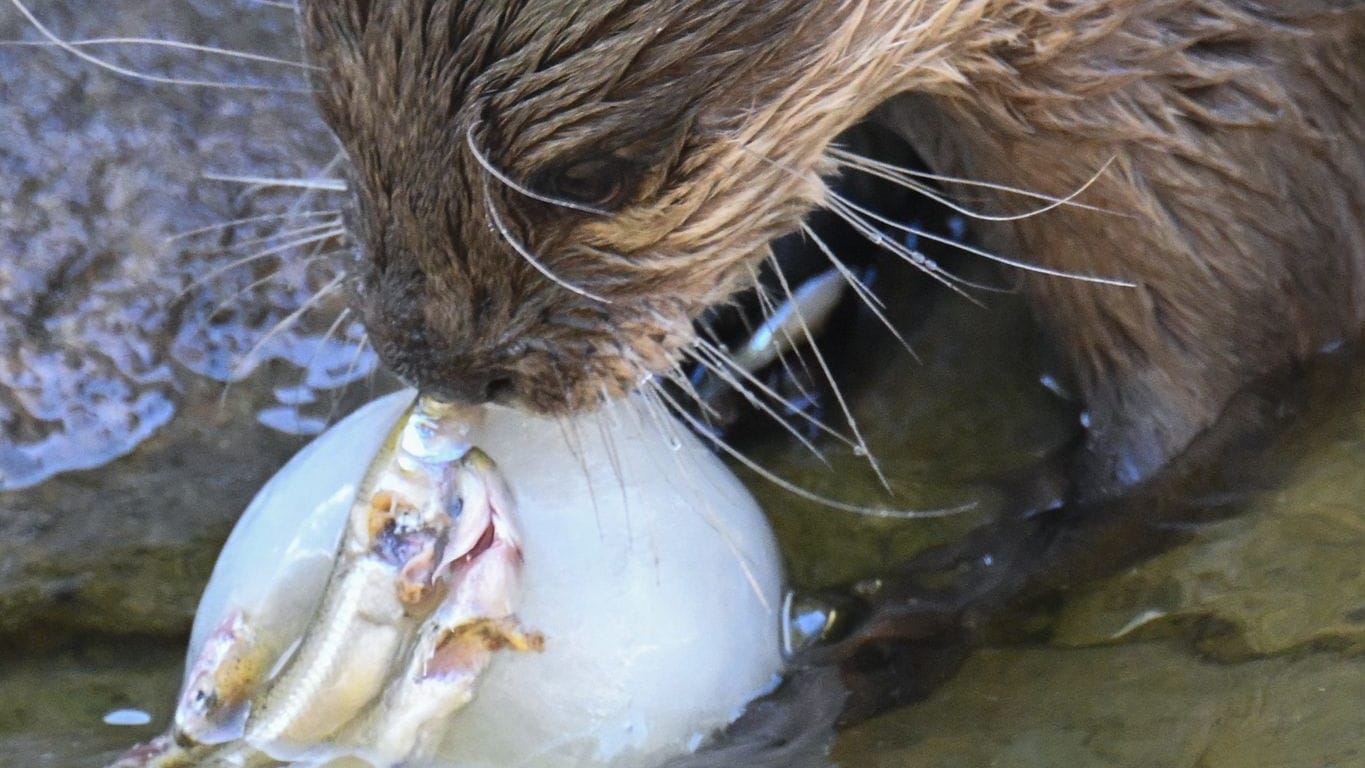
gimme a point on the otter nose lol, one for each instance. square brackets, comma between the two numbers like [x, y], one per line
[474, 387]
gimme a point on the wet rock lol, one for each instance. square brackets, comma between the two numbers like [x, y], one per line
[1243, 646]
[122, 462]
[1135, 706]
[1284, 575]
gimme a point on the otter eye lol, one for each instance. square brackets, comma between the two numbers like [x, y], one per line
[598, 182]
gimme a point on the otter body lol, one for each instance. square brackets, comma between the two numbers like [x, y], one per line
[548, 193]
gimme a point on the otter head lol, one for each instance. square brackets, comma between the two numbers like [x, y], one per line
[547, 193]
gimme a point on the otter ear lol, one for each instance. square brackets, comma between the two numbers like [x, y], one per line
[604, 183]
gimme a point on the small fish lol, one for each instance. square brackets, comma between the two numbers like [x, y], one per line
[422, 593]
[383, 580]
[482, 573]
[231, 666]
[809, 308]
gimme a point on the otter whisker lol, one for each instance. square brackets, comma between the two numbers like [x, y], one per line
[307, 370]
[869, 299]
[901, 178]
[829, 376]
[852, 213]
[482, 159]
[238, 370]
[158, 43]
[908, 175]
[263, 254]
[274, 274]
[205, 279]
[57, 41]
[721, 353]
[1022, 265]
[718, 363]
[755, 402]
[188, 233]
[719, 357]
[333, 225]
[574, 440]
[681, 381]
[326, 185]
[327, 171]
[282, 325]
[614, 461]
[909, 255]
[919, 260]
[676, 375]
[526, 254]
[284, 6]
[662, 421]
[349, 378]
[796, 490]
[659, 413]
[220, 306]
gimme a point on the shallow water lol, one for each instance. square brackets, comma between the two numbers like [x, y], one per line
[1241, 647]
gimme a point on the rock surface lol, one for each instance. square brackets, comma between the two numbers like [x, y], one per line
[123, 461]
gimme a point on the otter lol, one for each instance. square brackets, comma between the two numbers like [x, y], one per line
[548, 193]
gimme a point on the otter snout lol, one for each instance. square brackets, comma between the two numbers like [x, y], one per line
[543, 223]
[475, 387]
[444, 336]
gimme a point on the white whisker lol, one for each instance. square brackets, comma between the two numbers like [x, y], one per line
[719, 363]
[829, 375]
[574, 442]
[288, 320]
[143, 76]
[911, 256]
[268, 252]
[518, 187]
[326, 185]
[707, 510]
[869, 299]
[796, 490]
[919, 260]
[526, 254]
[1023, 265]
[768, 308]
[274, 274]
[238, 371]
[156, 43]
[328, 171]
[676, 375]
[332, 227]
[754, 401]
[322, 343]
[614, 461]
[340, 395]
[188, 233]
[845, 155]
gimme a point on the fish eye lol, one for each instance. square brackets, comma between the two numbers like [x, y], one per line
[599, 182]
[205, 700]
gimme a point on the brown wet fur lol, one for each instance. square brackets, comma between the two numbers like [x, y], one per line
[1234, 129]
